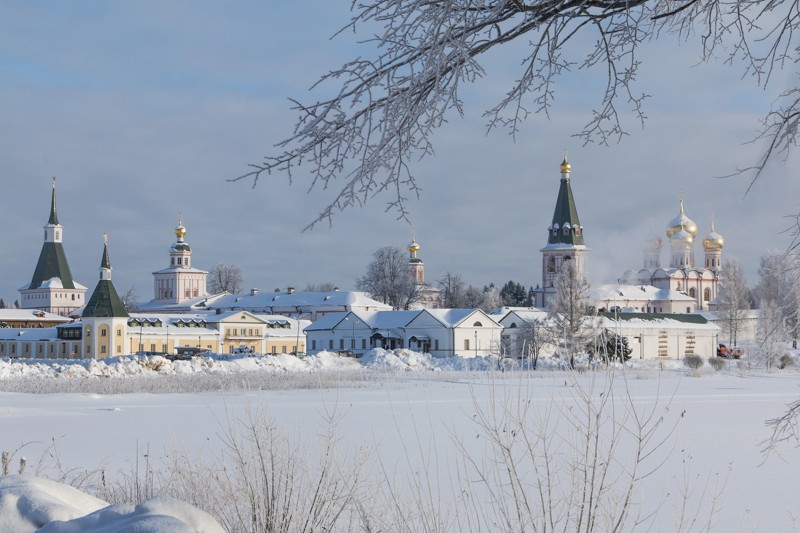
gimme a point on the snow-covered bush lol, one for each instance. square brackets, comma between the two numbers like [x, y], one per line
[785, 360]
[717, 363]
[693, 361]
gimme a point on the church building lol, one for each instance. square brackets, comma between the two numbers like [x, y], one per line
[180, 287]
[564, 241]
[52, 288]
[700, 283]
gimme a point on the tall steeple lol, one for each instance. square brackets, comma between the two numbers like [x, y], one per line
[565, 240]
[566, 226]
[52, 288]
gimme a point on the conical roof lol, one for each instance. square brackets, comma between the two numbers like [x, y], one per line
[52, 261]
[565, 214]
[105, 302]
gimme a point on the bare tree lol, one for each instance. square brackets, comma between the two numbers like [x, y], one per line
[224, 277]
[386, 103]
[320, 287]
[733, 299]
[569, 311]
[388, 278]
[130, 300]
[452, 287]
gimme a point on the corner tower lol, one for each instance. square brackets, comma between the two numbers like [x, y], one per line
[565, 240]
[52, 288]
[104, 318]
[180, 281]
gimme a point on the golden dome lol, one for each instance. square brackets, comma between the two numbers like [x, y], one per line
[413, 247]
[682, 236]
[713, 242]
[565, 166]
[180, 231]
[681, 222]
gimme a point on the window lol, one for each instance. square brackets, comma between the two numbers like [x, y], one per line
[477, 325]
[103, 349]
[103, 332]
[283, 349]
[341, 344]
[363, 344]
[330, 344]
[466, 344]
[314, 344]
[692, 293]
[119, 332]
[706, 294]
[551, 265]
[436, 344]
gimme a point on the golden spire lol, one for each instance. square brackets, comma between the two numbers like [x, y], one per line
[180, 231]
[565, 166]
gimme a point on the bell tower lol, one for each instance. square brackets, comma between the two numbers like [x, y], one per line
[565, 240]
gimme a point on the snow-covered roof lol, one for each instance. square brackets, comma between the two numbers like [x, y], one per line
[191, 270]
[30, 315]
[652, 321]
[302, 299]
[453, 317]
[28, 334]
[612, 292]
[383, 320]
[197, 303]
[752, 314]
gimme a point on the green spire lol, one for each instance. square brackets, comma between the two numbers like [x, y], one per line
[53, 216]
[565, 213]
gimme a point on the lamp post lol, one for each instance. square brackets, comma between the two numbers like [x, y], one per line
[476, 343]
[297, 339]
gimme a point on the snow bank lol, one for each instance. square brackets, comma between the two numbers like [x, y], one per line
[29, 504]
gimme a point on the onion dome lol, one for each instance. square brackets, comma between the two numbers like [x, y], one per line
[413, 247]
[180, 232]
[681, 222]
[566, 168]
[652, 243]
[713, 242]
[682, 236]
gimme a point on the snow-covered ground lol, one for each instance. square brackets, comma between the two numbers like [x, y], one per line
[414, 418]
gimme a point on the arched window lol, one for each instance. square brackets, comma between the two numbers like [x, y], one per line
[566, 230]
[551, 264]
[692, 293]
[513, 325]
[477, 325]
[706, 294]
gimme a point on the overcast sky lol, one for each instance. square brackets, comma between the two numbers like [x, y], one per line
[143, 109]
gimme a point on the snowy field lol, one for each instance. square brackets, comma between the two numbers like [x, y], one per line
[419, 444]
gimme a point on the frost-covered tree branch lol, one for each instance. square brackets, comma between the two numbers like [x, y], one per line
[379, 112]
